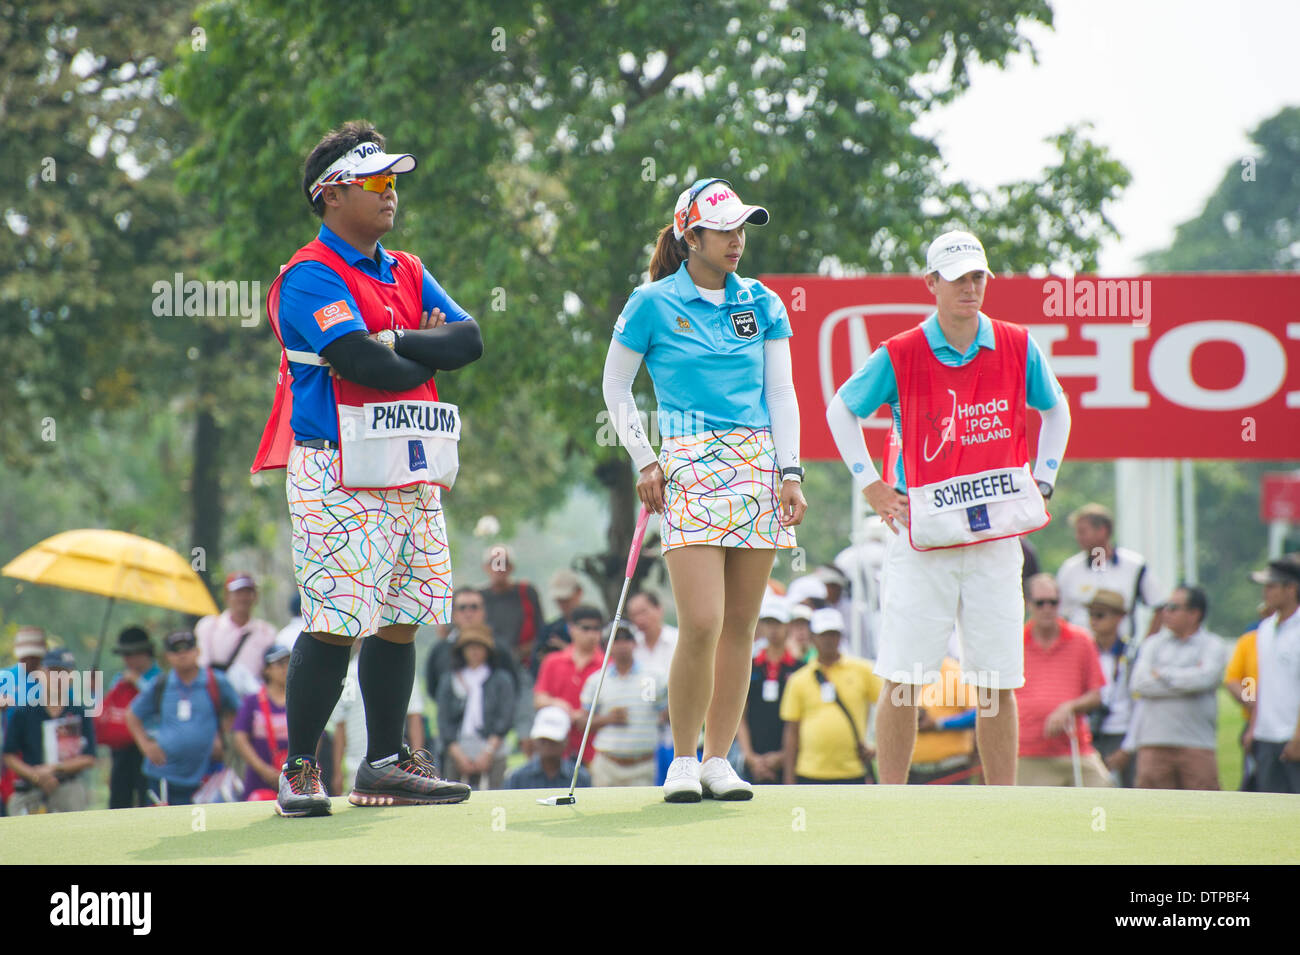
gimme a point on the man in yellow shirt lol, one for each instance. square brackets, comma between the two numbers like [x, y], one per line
[825, 707]
[1242, 680]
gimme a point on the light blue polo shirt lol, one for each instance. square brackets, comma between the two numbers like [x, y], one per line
[875, 384]
[309, 287]
[187, 743]
[706, 360]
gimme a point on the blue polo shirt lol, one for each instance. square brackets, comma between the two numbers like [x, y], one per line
[706, 360]
[875, 384]
[186, 743]
[309, 287]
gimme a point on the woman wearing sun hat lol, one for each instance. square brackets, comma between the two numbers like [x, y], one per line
[727, 478]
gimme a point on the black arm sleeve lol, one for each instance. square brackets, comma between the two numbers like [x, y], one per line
[444, 348]
[357, 358]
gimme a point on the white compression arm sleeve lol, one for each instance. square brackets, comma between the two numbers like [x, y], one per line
[853, 446]
[782, 403]
[1052, 438]
[621, 366]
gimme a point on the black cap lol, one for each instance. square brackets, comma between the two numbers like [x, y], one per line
[133, 640]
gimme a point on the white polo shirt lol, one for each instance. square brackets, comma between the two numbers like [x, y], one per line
[659, 659]
[1079, 580]
[1278, 705]
[644, 696]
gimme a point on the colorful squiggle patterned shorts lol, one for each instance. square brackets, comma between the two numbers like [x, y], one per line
[722, 490]
[365, 559]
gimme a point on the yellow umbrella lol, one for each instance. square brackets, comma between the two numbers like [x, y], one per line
[117, 565]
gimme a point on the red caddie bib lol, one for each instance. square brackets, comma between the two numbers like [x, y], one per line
[965, 454]
[387, 439]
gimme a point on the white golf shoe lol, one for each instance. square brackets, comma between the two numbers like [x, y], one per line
[683, 781]
[719, 781]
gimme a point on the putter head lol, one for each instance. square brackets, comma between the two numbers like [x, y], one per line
[566, 800]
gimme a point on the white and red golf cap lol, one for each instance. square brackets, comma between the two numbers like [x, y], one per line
[713, 204]
[240, 580]
[954, 254]
[30, 642]
[363, 159]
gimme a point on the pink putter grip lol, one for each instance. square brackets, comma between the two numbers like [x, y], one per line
[641, 522]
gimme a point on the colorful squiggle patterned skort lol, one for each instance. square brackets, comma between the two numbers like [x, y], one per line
[365, 559]
[722, 490]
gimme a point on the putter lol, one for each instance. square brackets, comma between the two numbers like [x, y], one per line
[1074, 752]
[570, 799]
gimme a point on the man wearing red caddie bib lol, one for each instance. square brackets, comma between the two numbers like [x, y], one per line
[962, 489]
[367, 443]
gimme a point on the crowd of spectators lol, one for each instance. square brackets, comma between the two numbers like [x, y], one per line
[1112, 697]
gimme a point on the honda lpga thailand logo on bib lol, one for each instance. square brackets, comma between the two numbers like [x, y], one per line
[981, 422]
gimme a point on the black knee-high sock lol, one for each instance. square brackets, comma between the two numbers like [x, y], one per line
[315, 682]
[386, 672]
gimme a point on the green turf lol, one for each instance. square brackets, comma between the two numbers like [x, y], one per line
[866, 824]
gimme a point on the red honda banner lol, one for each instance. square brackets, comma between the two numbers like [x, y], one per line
[1279, 498]
[1155, 366]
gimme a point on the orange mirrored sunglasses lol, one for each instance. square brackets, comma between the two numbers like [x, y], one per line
[379, 183]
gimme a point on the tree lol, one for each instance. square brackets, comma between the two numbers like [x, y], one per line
[100, 242]
[1252, 220]
[554, 140]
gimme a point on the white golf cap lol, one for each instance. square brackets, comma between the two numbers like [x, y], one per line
[774, 607]
[826, 620]
[564, 584]
[829, 574]
[713, 204]
[363, 159]
[954, 254]
[551, 723]
[808, 587]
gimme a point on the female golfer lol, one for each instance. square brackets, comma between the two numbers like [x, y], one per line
[727, 477]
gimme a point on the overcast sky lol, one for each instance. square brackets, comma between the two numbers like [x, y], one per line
[1172, 87]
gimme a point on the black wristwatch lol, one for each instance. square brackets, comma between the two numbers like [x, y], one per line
[1045, 489]
[788, 474]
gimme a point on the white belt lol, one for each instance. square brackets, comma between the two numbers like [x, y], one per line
[304, 357]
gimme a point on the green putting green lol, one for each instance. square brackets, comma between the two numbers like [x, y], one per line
[858, 824]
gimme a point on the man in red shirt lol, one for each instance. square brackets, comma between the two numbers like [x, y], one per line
[564, 672]
[1063, 682]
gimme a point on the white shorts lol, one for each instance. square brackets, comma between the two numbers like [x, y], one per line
[368, 558]
[923, 594]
